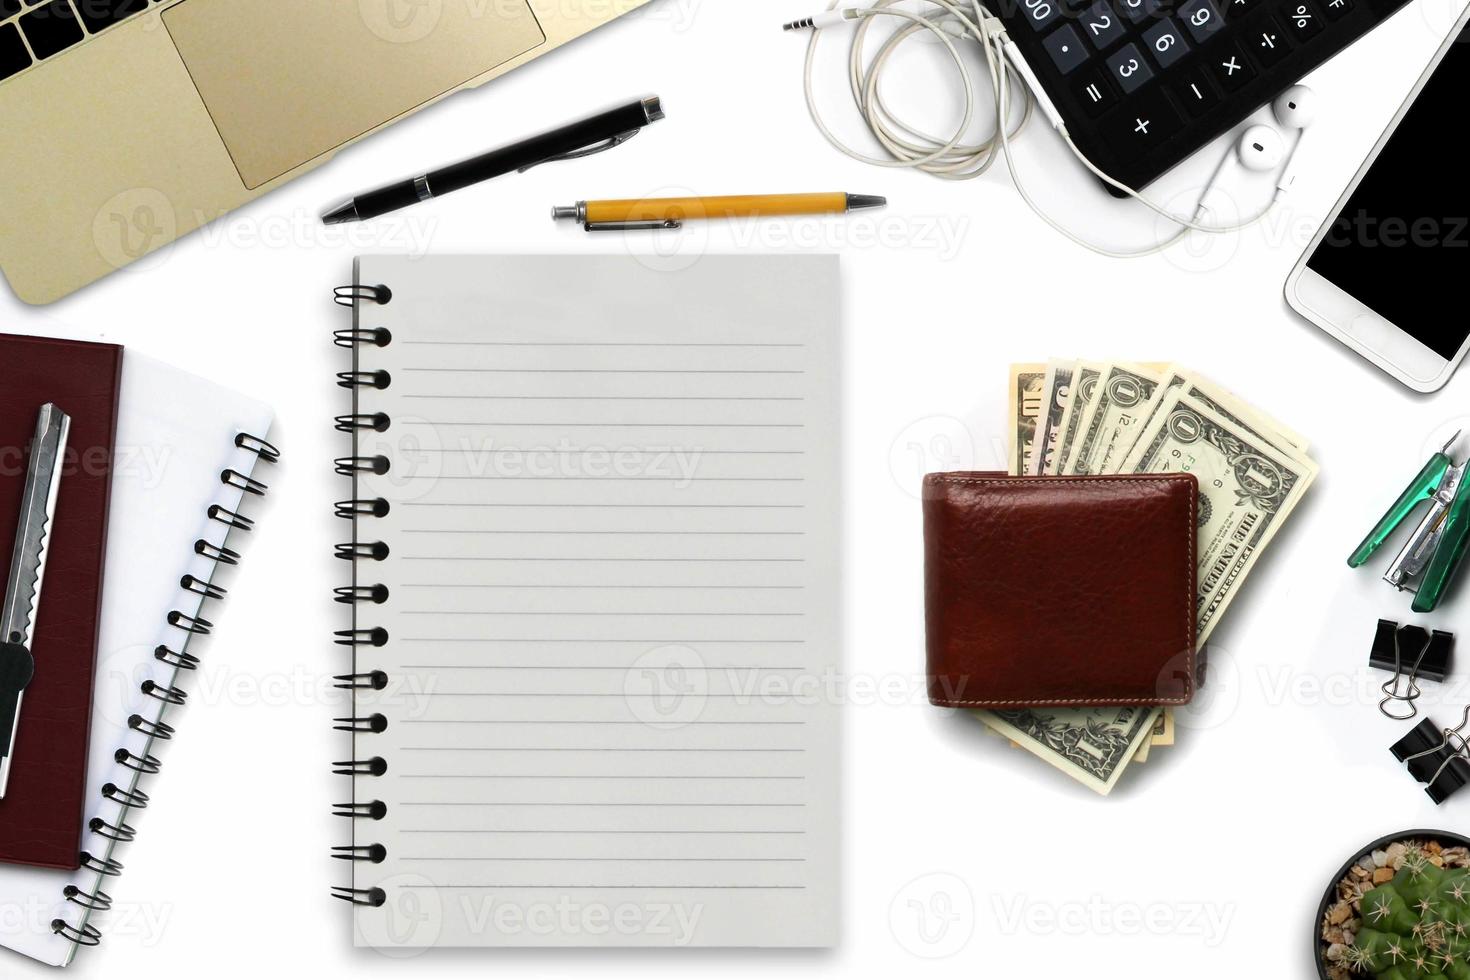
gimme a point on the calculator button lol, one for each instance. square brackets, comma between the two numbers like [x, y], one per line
[1065, 48]
[1201, 18]
[1129, 68]
[1039, 13]
[1166, 42]
[1137, 10]
[1095, 92]
[1267, 42]
[1101, 25]
[1196, 92]
[1148, 121]
[1236, 9]
[1302, 19]
[1338, 8]
[1230, 68]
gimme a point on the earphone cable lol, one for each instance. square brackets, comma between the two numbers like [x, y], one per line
[952, 159]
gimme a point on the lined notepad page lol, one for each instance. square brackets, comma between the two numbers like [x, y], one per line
[613, 579]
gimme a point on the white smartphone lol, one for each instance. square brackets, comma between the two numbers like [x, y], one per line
[1386, 274]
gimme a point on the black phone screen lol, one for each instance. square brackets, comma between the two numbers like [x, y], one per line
[1401, 244]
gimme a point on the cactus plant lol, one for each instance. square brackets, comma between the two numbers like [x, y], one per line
[1416, 926]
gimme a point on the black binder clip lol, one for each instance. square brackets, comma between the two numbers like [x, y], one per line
[1436, 757]
[1413, 654]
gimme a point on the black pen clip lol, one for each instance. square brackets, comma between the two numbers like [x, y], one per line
[603, 146]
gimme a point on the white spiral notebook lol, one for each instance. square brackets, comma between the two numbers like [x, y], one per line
[187, 451]
[595, 591]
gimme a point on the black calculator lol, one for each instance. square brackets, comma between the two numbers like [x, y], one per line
[1143, 84]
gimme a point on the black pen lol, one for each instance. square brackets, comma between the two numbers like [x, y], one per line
[592, 135]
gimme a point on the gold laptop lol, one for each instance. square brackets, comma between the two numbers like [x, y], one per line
[128, 123]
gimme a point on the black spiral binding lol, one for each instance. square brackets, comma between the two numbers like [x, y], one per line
[360, 594]
[126, 793]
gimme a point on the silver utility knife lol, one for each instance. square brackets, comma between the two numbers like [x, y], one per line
[27, 568]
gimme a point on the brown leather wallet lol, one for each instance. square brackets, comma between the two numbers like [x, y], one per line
[1057, 591]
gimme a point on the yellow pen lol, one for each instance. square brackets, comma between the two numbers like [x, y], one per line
[672, 212]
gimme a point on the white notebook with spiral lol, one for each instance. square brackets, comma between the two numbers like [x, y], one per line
[595, 602]
[171, 516]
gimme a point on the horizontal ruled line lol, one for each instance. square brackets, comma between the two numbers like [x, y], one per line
[681, 833]
[623, 860]
[463, 370]
[554, 694]
[627, 398]
[674, 478]
[568, 612]
[426, 503]
[595, 558]
[687, 450]
[661, 777]
[435, 803]
[471, 530]
[591, 343]
[575, 667]
[576, 721]
[563, 748]
[615, 425]
[544, 585]
[575, 639]
[616, 888]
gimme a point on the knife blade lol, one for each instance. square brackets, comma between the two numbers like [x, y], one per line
[27, 571]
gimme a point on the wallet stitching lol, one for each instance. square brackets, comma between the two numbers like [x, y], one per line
[1189, 573]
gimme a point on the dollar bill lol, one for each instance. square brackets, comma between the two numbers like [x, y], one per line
[1092, 745]
[1163, 734]
[1084, 386]
[1025, 407]
[1118, 407]
[1056, 392]
[1247, 489]
[1227, 404]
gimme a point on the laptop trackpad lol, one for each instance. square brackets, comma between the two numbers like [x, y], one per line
[288, 80]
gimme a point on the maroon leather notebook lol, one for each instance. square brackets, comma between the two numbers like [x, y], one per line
[42, 812]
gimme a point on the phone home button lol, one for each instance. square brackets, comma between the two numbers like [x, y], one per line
[1367, 327]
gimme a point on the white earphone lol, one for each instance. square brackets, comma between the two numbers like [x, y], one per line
[1260, 148]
